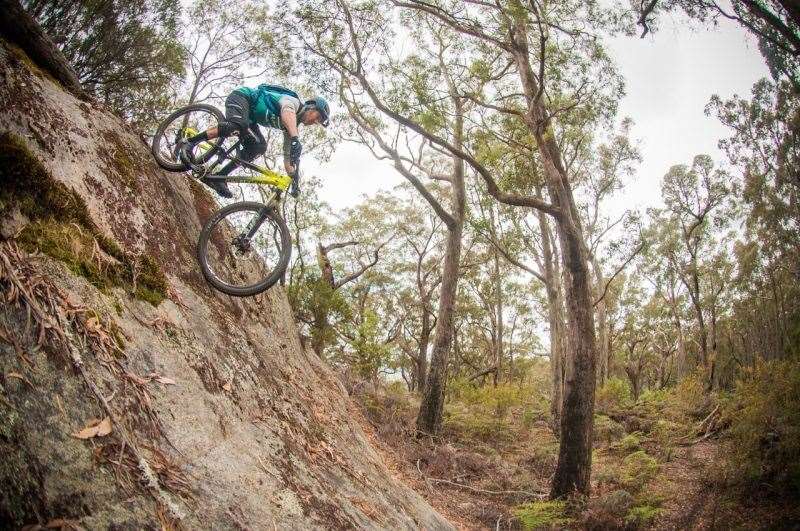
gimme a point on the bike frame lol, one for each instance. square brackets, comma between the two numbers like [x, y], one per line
[279, 182]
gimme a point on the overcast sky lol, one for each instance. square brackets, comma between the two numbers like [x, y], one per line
[670, 77]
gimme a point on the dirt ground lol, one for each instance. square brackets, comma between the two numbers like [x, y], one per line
[479, 491]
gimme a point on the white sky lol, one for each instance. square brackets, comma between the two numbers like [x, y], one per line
[670, 77]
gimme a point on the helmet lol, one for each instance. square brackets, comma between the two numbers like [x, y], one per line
[319, 103]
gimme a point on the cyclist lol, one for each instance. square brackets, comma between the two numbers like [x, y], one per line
[269, 106]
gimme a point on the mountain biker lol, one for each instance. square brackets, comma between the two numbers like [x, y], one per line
[269, 106]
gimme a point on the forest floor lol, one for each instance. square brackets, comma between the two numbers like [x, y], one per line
[484, 474]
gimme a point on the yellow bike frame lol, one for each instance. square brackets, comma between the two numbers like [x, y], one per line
[265, 175]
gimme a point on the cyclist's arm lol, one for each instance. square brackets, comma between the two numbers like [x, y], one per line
[287, 149]
[289, 108]
[289, 119]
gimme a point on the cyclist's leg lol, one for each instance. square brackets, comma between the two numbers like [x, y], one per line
[237, 119]
[253, 145]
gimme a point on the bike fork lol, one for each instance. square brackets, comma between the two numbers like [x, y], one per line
[254, 225]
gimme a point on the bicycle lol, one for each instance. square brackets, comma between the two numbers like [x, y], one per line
[244, 248]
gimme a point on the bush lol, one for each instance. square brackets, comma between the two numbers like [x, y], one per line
[496, 400]
[689, 398]
[614, 395]
[462, 423]
[642, 515]
[764, 412]
[638, 469]
[543, 514]
[607, 430]
[630, 443]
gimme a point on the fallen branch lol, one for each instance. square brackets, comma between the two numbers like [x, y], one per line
[428, 480]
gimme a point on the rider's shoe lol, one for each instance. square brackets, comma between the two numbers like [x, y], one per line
[221, 187]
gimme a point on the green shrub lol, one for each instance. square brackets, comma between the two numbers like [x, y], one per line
[653, 402]
[764, 412]
[642, 515]
[630, 443]
[609, 474]
[497, 400]
[614, 395]
[638, 469]
[542, 514]
[689, 397]
[607, 430]
[463, 423]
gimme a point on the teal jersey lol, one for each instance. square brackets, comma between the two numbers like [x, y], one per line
[264, 103]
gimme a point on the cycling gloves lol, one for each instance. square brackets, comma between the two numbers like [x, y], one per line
[295, 149]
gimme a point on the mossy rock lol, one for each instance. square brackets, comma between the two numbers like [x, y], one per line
[61, 227]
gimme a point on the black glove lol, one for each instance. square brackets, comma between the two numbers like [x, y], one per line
[295, 148]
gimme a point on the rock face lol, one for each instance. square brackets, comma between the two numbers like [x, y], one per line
[220, 418]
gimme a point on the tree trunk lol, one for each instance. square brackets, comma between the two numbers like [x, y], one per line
[573, 470]
[421, 364]
[602, 325]
[429, 418]
[555, 314]
[498, 296]
[19, 27]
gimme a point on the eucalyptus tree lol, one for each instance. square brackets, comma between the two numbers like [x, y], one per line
[602, 168]
[419, 242]
[434, 95]
[775, 23]
[227, 43]
[692, 196]
[529, 245]
[551, 60]
[126, 52]
[764, 151]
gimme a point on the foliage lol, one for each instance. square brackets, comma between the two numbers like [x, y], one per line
[642, 515]
[632, 442]
[764, 412]
[607, 430]
[689, 397]
[370, 352]
[540, 514]
[228, 43]
[615, 394]
[496, 400]
[466, 424]
[638, 468]
[127, 52]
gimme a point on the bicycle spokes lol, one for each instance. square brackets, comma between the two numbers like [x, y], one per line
[243, 248]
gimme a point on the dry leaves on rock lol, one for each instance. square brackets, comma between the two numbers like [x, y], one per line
[149, 378]
[95, 428]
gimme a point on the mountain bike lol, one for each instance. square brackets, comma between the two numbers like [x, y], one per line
[243, 248]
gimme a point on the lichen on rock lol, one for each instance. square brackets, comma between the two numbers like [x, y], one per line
[59, 225]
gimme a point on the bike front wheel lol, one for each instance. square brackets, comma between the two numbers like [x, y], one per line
[244, 248]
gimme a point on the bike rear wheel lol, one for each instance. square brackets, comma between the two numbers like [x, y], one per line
[244, 248]
[180, 125]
